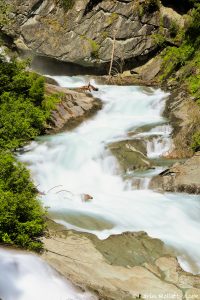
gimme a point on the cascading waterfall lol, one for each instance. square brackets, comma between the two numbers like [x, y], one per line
[26, 277]
[70, 164]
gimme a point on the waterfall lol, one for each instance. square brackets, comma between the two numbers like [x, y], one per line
[67, 165]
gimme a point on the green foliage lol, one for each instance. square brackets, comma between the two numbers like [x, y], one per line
[173, 29]
[192, 76]
[112, 18]
[24, 110]
[174, 58]
[49, 103]
[95, 48]
[183, 63]
[196, 141]
[67, 4]
[193, 31]
[4, 11]
[159, 39]
[22, 216]
[148, 7]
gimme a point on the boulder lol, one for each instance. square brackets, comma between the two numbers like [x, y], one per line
[131, 154]
[72, 108]
[180, 177]
[123, 267]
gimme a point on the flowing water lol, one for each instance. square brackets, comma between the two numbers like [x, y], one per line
[26, 277]
[68, 165]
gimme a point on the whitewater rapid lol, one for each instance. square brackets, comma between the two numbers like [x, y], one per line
[67, 165]
[27, 277]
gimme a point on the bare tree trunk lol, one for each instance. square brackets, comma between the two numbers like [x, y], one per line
[112, 55]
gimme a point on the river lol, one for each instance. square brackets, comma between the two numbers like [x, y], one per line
[69, 164]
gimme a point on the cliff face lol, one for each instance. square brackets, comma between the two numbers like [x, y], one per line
[84, 34]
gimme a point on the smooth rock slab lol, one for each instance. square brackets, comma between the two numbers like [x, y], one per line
[82, 259]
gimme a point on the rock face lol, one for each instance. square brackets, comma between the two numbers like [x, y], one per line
[131, 154]
[180, 177]
[72, 109]
[184, 116]
[122, 267]
[85, 33]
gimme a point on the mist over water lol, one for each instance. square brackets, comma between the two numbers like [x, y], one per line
[77, 162]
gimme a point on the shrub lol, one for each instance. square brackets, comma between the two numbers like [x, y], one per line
[149, 6]
[173, 29]
[24, 110]
[67, 4]
[196, 141]
[22, 216]
[193, 31]
[175, 57]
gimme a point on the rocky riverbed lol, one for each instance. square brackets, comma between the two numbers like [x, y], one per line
[127, 266]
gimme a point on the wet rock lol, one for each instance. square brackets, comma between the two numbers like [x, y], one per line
[131, 154]
[72, 108]
[125, 266]
[180, 177]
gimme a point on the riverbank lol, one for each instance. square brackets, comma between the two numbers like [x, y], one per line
[126, 266]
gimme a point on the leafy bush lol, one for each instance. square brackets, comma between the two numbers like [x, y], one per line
[174, 58]
[24, 110]
[193, 30]
[173, 29]
[22, 216]
[196, 141]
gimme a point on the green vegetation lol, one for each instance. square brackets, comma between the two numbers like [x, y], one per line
[174, 58]
[22, 217]
[112, 18]
[93, 44]
[4, 10]
[24, 110]
[95, 48]
[196, 141]
[23, 107]
[182, 63]
[67, 4]
[148, 7]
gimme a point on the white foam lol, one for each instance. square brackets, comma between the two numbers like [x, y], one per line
[77, 161]
[27, 277]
